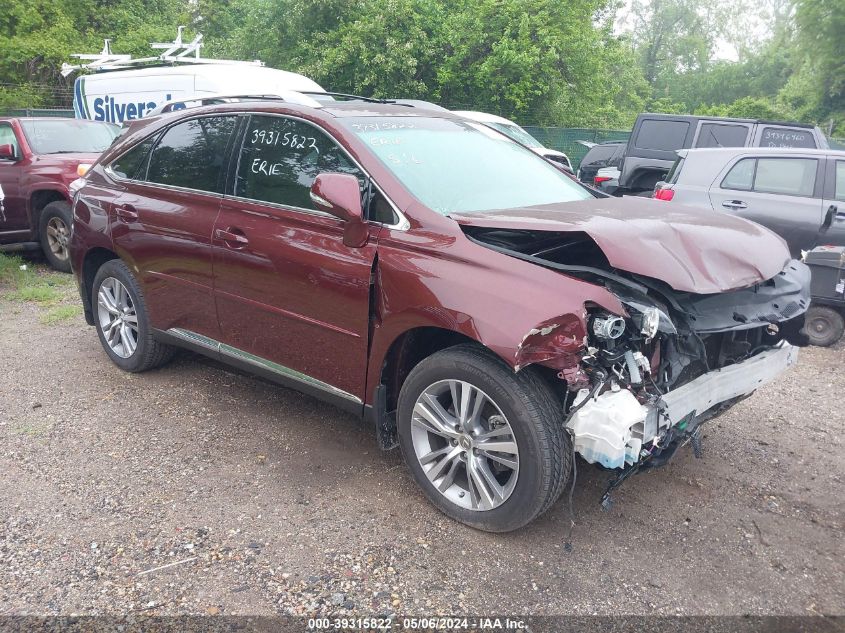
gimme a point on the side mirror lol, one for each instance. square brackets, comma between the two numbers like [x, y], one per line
[7, 152]
[340, 195]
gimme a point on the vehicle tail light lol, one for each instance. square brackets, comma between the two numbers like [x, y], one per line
[664, 194]
[600, 179]
[82, 169]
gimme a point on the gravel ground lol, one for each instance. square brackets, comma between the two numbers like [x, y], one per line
[197, 490]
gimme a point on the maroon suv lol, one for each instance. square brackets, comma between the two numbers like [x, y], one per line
[39, 158]
[480, 308]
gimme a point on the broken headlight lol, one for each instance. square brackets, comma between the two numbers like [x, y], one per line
[649, 322]
[608, 327]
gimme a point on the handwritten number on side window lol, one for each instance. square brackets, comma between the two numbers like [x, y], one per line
[274, 138]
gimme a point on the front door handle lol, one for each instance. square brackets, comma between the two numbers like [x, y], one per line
[734, 204]
[126, 212]
[232, 237]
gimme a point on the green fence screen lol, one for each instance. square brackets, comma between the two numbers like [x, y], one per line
[566, 139]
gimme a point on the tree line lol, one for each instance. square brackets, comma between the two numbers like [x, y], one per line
[570, 63]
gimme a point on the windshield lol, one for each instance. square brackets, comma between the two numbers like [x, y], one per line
[62, 136]
[454, 165]
[517, 134]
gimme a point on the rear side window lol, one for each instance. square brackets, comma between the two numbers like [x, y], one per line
[786, 137]
[741, 175]
[133, 164]
[839, 191]
[662, 135]
[721, 135]
[281, 157]
[789, 176]
[191, 154]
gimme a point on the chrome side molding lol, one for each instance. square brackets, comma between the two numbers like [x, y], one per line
[227, 352]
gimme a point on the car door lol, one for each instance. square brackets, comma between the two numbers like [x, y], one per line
[14, 223]
[782, 193]
[162, 219]
[833, 226]
[292, 299]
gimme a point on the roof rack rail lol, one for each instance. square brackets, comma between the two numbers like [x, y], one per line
[410, 103]
[175, 52]
[288, 96]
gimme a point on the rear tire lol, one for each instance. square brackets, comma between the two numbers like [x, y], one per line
[519, 414]
[122, 321]
[824, 325]
[54, 234]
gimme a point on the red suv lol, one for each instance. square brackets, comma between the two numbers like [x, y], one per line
[39, 158]
[484, 311]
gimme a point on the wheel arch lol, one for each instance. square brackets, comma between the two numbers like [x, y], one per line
[40, 199]
[406, 351]
[92, 262]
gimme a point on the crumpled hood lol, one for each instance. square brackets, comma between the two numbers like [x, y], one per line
[696, 251]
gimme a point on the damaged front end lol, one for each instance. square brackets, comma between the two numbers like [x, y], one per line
[647, 379]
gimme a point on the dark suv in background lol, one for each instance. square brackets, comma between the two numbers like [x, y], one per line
[484, 311]
[39, 158]
[606, 154]
[652, 148]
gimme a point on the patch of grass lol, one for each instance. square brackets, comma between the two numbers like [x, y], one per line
[42, 293]
[10, 269]
[35, 283]
[60, 313]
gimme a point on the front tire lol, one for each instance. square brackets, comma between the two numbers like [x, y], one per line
[824, 325]
[54, 234]
[122, 321]
[486, 445]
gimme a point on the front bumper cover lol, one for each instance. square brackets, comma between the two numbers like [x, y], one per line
[614, 428]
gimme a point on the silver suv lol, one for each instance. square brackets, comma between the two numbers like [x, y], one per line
[797, 193]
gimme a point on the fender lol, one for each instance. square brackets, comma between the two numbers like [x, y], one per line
[424, 281]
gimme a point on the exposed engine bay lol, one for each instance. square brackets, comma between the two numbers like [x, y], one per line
[648, 379]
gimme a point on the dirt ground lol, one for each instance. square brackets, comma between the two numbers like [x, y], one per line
[197, 490]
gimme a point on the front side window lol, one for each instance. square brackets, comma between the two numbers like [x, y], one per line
[741, 176]
[721, 135]
[789, 176]
[66, 136]
[191, 154]
[454, 165]
[662, 135]
[839, 191]
[281, 157]
[133, 164]
[7, 137]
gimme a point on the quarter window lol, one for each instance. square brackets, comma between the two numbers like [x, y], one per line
[741, 176]
[790, 176]
[281, 157]
[191, 154]
[785, 137]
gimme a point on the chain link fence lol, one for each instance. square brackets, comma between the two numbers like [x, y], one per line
[574, 141]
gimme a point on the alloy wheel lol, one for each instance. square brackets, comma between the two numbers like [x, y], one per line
[465, 445]
[117, 317]
[58, 235]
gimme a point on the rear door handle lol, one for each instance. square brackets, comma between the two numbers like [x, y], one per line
[232, 237]
[126, 212]
[734, 204]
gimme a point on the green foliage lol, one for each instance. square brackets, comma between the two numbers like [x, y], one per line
[548, 62]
